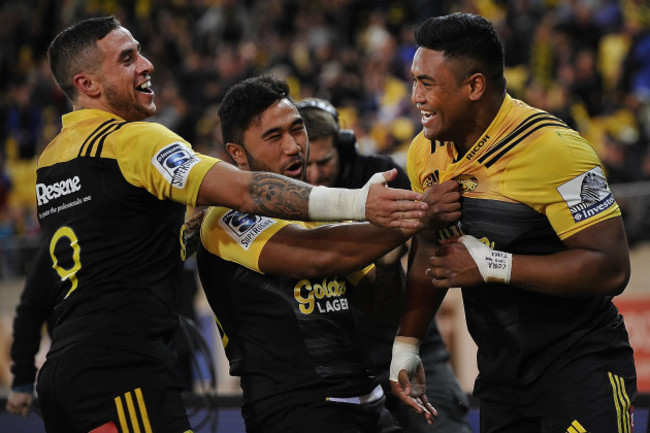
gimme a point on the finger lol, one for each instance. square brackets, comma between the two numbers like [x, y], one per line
[404, 382]
[390, 174]
[425, 401]
[401, 194]
[401, 224]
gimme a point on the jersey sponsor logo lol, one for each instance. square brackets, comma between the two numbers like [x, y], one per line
[244, 228]
[587, 195]
[327, 296]
[174, 162]
[477, 147]
[45, 192]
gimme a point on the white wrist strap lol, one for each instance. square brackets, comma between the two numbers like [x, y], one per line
[495, 266]
[337, 204]
[406, 356]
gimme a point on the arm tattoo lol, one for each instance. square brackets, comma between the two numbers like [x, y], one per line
[280, 197]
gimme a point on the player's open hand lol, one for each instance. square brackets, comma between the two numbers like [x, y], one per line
[393, 207]
[413, 395]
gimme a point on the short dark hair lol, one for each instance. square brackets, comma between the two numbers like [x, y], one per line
[320, 116]
[466, 37]
[75, 48]
[246, 101]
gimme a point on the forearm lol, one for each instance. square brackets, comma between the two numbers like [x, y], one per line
[596, 262]
[573, 273]
[421, 301]
[335, 249]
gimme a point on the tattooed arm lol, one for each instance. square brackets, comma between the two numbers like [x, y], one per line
[278, 196]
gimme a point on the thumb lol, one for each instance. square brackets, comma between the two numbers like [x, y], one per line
[405, 383]
[387, 175]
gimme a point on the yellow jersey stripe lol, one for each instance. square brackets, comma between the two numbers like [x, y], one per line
[224, 337]
[124, 427]
[132, 413]
[144, 415]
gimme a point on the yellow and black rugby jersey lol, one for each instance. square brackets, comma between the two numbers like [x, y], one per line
[527, 183]
[526, 156]
[111, 200]
[287, 338]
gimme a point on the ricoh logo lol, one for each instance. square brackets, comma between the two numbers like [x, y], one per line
[45, 193]
[476, 148]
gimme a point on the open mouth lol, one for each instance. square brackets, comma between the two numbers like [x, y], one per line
[145, 87]
[294, 169]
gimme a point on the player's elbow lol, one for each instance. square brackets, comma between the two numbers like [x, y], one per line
[617, 281]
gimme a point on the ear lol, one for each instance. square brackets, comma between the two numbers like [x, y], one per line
[477, 85]
[87, 84]
[236, 152]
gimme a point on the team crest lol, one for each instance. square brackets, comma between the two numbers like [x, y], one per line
[587, 195]
[467, 182]
[244, 228]
[428, 182]
[174, 162]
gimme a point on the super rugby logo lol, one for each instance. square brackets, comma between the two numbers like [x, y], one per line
[244, 228]
[45, 193]
[174, 162]
[587, 195]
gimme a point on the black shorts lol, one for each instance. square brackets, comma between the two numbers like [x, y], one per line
[594, 393]
[86, 386]
[328, 417]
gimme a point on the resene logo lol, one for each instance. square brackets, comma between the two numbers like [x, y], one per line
[45, 193]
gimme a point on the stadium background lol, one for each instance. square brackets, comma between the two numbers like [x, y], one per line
[587, 61]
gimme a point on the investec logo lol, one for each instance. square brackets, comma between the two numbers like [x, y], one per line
[45, 193]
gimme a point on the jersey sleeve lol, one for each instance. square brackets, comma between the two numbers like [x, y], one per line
[153, 157]
[569, 187]
[238, 237]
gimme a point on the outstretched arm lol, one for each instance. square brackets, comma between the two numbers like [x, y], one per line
[333, 249]
[274, 195]
[596, 262]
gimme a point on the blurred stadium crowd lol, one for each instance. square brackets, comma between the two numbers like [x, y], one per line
[587, 61]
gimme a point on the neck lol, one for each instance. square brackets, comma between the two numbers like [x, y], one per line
[482, 120]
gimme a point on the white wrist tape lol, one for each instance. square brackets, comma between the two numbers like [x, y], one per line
[337, 204]
[495, 266]
[406, 356]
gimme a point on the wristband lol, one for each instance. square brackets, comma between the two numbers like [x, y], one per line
[406, 356]
[338, 204]
[494, 266]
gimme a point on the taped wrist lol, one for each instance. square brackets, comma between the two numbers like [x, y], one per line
[337, 204]
[494, 266]
[406, 356]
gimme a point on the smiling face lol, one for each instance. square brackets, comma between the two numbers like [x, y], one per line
[276, 142]
[123, 78]
[441, 96]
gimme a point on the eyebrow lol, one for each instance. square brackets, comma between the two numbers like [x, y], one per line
[130, 50]
[269, 132]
